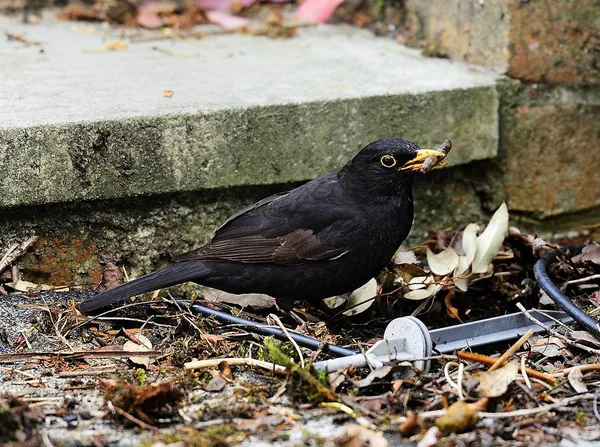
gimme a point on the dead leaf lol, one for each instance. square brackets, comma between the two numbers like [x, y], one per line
[585, 337]
[405, 257]
[406, 272]
[378, 373]
[469, 241]
[254, 300]
[225, 371]
[495, 383]
[357, 436]
[576, 380]
[442, 263]
[591, 253]
[27, 286]
[451, 311]
[459, 418]
[469, 245]
[111, 277]
[362, 298]
[430, 439]
[168, 93]
[144, 345]
[217, 383]
[551, 347]
[490, 241]
[420, 294]
[212, 338]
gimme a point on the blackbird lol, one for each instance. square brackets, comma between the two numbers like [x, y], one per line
[324, 238]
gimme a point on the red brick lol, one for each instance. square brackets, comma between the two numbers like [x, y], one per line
[546, 41]
[554, 159]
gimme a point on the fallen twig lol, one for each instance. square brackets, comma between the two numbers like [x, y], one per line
[132, 418]
[516, 413]
[555, 333]
[490, 361]
[514, 348]
[98, 354]
[212, 363]
[15, 252]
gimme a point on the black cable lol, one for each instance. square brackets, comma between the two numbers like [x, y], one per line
[541, 276]
[252, 326]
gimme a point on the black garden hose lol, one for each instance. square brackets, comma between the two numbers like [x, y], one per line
[541, 276]
[252, 326]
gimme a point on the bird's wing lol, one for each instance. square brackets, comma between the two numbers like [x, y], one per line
[290, 228]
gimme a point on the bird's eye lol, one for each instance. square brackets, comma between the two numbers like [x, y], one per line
[388, 161]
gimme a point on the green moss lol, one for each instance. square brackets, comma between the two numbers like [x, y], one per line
[142, 376]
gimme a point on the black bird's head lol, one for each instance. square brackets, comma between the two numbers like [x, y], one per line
[386, 167]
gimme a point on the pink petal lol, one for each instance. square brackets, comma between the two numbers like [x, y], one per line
[212, 5]
[149, 20]
[317, 11]
[226, 20]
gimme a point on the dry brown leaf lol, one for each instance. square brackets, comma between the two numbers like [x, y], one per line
[217, 383]
[357, 436]
[144, 345]
[111, 277]
[451, 311]
[225, 371]
[551, 347]
[591, 253]
[495, 383]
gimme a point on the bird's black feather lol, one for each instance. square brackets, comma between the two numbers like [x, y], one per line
[326, 237]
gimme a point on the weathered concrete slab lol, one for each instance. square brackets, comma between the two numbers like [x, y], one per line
[78, 124]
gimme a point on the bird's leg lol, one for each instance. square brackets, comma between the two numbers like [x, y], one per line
[296, 317]
[287, 307]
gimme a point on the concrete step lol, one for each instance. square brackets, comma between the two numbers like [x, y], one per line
[103, 167]
[86, 123]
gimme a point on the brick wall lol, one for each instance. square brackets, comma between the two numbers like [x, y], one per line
[551, 136]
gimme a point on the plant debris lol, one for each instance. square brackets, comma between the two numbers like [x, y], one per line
[122, 372]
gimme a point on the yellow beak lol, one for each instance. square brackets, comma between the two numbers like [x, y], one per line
[422, 154]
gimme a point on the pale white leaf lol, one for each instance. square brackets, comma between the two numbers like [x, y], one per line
[490, 241]
[144, 346]
[26, 286]
[462, 266]
[421, 280]
[576, 380]
[362, 298]
[462, 284]
[335, 301]
[421, 294]
[469, 244]
[417, 286]
[405, 257]
[442, 263]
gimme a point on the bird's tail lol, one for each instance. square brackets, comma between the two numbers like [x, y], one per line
[174, 274]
